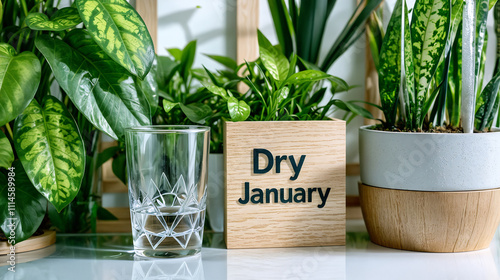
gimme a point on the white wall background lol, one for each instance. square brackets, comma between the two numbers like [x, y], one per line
[213, 24]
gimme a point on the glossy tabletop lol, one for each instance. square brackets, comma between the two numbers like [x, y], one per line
[110, 256]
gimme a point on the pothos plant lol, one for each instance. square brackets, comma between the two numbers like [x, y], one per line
[279, 90]
[420, 67]
[98, 53]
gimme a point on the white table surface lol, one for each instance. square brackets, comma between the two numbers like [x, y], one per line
[110, 256]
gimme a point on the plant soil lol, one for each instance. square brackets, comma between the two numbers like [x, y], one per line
[436, 129]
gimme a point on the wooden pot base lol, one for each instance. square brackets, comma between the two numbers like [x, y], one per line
[430, 221]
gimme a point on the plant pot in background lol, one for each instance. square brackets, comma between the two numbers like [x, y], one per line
[433, 192]
[215, 192]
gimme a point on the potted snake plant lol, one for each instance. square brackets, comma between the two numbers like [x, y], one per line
[67, 73]
[429, 178]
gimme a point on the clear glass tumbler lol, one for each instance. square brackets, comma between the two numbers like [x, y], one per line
[167, 182]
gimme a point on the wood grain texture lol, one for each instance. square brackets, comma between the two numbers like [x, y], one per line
[247, 23]
[33, 243]
[430, 221]
[148, 9]
[289, 224]
[123, 223]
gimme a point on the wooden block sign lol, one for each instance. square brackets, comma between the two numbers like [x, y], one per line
[285, 183]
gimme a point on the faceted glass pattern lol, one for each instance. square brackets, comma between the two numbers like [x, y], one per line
[167, 168]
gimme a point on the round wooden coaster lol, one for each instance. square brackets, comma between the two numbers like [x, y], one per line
[33, 243]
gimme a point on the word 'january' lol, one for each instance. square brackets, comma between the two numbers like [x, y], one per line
[301, 195]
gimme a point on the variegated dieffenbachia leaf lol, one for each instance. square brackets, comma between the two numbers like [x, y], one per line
[6, 153]
[100, 88]
[51, 150]
[61, 20]
[119, 30]
[19, 79]
[429, 30]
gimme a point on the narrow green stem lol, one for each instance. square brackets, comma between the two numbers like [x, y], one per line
[10, 131]
[25, 7]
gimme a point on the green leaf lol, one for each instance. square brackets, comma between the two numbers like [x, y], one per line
[101, 89]
[6, 153]
[282, 95]
[307, 76]
[149, 88]
[51, 150]
[274, 61]
[312, 19]
[224, 60]
[19, 79]
[187, 59]
[429, 30]
[167, 105]
[217, 91]
[176, 53]
[354, 108]
[340, 84]
[30, 206]
[104, 214]
[119, 167]
[196, 112]
[487, 104]
[106, 155]
[283, 25]
[63, 19]
[238, 110]
[166, 69]
[119, 30]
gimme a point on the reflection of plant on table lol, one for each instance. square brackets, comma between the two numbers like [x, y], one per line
[60, 85]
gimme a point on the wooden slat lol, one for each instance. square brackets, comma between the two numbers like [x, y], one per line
[352, 169]
[353, 213]
[148, 9]
[247, 23]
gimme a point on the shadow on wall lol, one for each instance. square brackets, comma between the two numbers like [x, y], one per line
[216, 18]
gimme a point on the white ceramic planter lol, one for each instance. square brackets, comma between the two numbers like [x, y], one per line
[429, 161]
[215, 192]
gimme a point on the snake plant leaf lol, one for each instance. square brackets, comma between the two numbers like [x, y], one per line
[274, 61]
[429, 30]
[6, 153]
[119, 30]
[61, 20]
[283, 25]
[49, 145]
[390, 65]
[100, 88]
[487, 104]
[482, 8]
[238, 110]
[492, 3]
[196, 112]
[30, 206]
[19, 79]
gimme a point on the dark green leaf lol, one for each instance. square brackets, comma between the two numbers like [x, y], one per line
[119, 30]
[29, 207]
[238, 110]
[313, 16]
[119, 167]
[63, 19]
[149, 88]
[49, 145]
[187, 59]
[19, 79]
[283, 25]
[487, 104]
[6, 153]
[106, 155]
[104, 214]
[354, 108]
[99, 88]
[196, 112]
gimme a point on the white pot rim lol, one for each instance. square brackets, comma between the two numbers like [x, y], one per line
[368, 128]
